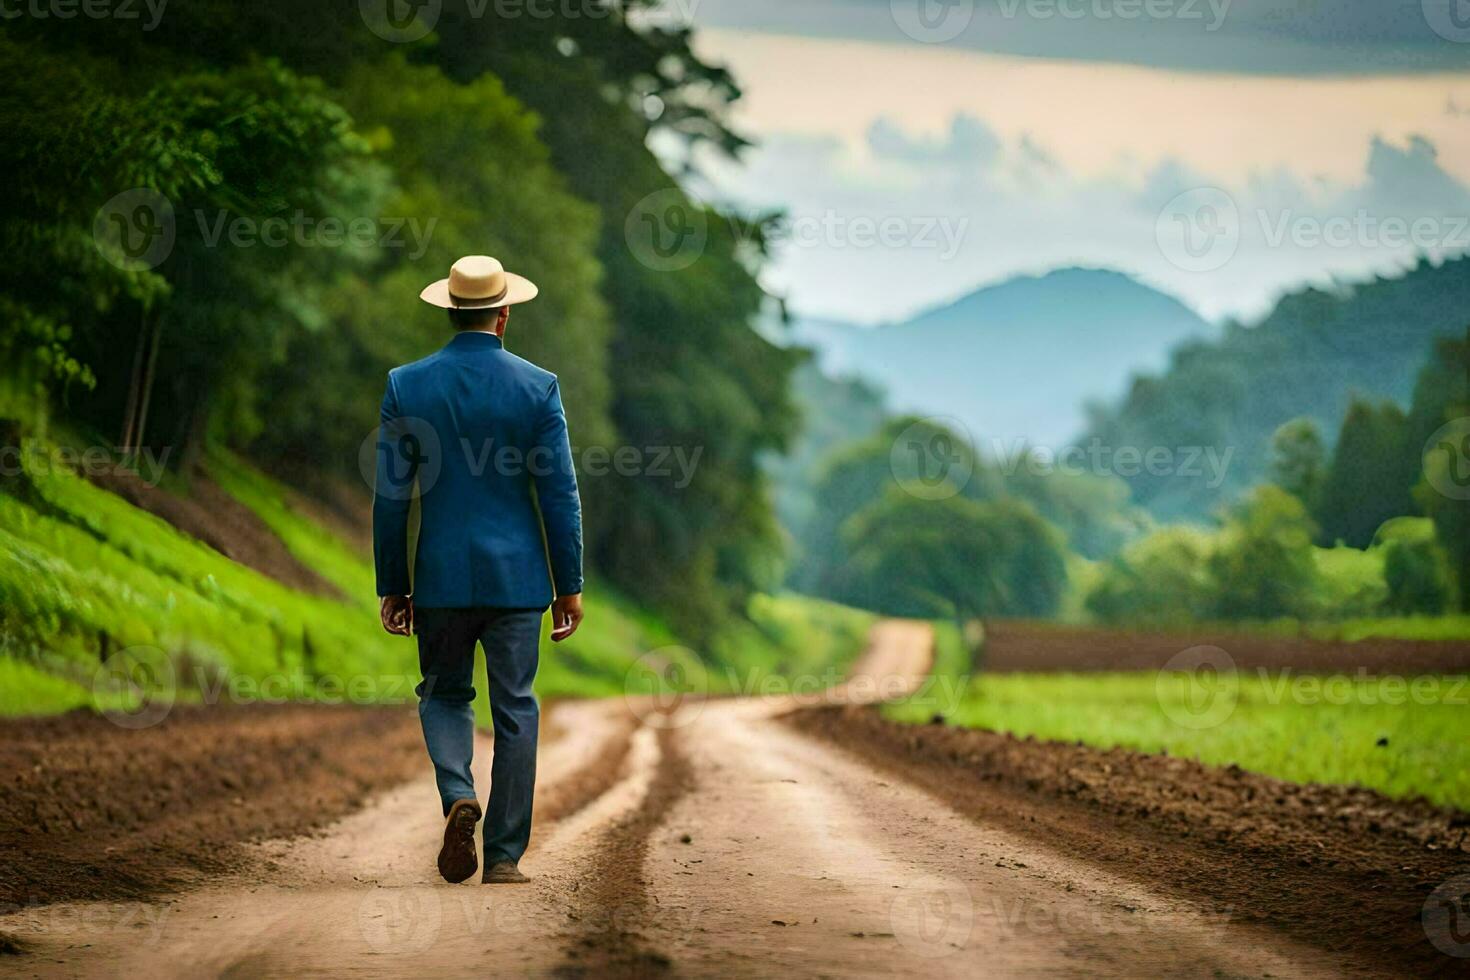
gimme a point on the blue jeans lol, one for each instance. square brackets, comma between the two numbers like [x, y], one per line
[511, 638]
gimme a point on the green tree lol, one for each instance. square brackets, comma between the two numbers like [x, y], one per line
[1443, 397]
[1299, 460]
[1094, 511]
[861, 473]
[1415, 568]
[1263, 566]
[1163, 579]
[323, 402]
[168, 333]
[1371, 479]
[834, 413]
[954, 557]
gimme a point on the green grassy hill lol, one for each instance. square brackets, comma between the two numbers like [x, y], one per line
[96, 581]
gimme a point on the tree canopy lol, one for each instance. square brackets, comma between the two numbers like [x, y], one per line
[232, 127]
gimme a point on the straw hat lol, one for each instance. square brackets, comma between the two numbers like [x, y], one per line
[478, 282]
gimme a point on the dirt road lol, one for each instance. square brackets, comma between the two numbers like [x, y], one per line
[713, 840]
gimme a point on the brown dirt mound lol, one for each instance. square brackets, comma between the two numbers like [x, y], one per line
[92, 811]
[1344, 869]
[1026, 646]
[220, 521]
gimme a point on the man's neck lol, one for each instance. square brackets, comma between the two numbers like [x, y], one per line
[498, 334]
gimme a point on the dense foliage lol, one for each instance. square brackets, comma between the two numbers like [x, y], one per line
[1388, 468]
[1306, 359]
[254, 134]
[911, 521]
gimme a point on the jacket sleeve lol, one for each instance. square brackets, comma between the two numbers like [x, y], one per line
[393, 485]
[556, 491]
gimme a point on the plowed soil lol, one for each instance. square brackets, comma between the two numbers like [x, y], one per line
[1343, 869]
[91, 810]
[1025, 646]
[748, 837]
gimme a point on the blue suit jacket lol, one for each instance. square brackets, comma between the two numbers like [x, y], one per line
[471, 431]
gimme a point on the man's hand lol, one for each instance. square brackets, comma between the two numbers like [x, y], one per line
[566, 616]
[397, 614]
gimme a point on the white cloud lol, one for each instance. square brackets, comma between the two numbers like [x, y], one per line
[969, 143]
[1010, 208]
[1046, 163]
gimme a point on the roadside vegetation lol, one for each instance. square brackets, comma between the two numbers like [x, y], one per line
[97, 587]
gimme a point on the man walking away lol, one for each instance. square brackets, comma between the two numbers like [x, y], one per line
[479, 437]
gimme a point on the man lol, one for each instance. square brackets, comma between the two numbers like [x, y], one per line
[481, 435]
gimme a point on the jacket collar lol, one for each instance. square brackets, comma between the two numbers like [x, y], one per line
[475, 340]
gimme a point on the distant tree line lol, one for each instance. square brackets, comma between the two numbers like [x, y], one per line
[1309, 358]
[1365, 529]
[1356, 527]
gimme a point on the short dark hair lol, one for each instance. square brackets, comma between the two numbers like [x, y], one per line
[473, 319]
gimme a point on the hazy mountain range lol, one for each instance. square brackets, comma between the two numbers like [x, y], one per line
[1019, 360]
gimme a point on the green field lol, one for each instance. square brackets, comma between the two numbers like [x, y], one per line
[1404, 737]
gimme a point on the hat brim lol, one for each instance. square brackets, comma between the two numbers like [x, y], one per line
[519, 289]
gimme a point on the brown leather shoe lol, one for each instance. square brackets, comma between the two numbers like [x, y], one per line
[503, 873]
[457, 859]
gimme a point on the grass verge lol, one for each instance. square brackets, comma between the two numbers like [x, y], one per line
[1404, 737]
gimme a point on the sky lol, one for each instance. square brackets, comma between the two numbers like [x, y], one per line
[1222, 152]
